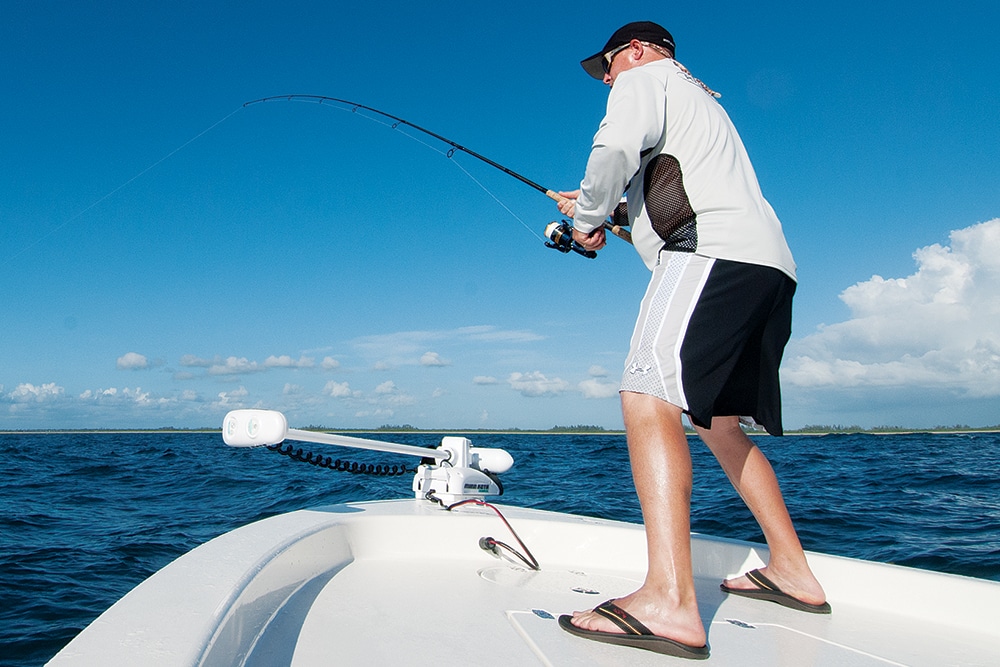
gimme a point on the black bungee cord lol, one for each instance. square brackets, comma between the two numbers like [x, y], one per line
[298, 454]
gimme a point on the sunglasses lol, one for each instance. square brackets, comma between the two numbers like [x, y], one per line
[610, 56]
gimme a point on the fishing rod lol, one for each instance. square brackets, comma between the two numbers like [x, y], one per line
[560, 235]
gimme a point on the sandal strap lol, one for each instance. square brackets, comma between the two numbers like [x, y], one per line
[628, 623]
[762, 582]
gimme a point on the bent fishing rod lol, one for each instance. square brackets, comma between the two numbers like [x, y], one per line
[560, 235]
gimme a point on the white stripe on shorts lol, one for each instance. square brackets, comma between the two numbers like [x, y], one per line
[653, 365]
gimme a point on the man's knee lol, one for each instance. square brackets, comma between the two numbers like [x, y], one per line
[644, 404]
[646, 414]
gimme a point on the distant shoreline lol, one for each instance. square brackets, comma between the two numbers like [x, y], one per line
[512, 431]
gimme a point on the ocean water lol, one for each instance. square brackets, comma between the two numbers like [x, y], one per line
[86, 517]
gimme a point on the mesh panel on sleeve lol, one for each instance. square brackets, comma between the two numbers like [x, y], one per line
[620, 215]
[667, 204]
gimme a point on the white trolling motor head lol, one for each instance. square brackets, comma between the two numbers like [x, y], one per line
[469, 472]
[454, 471]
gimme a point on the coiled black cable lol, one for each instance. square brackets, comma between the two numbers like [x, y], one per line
[298, 454]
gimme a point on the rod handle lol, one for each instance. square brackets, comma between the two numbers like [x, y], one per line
[555, 196]
[617, 230]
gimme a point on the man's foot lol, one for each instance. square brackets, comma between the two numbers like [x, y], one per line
[662, 617]
[759, 586]
[626, 630]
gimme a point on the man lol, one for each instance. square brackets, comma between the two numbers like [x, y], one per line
[711, 331]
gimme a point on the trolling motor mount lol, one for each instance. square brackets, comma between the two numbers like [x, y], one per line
[454, 471]
[560, 235]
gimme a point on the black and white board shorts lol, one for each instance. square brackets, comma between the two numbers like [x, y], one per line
[709, 339]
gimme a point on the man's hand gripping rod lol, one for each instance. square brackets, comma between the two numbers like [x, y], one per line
[560, 234]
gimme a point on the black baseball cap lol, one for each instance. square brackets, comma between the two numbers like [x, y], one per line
[644, 31]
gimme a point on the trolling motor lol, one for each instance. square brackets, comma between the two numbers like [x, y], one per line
[453, 472]
[560, 235]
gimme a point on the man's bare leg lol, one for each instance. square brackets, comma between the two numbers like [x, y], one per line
[661, 468]
[754, 479]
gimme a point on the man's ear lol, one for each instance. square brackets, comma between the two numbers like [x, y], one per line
[636, 50]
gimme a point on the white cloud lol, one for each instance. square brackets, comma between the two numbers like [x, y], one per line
[485, 379]
[235, 366]
[493, 334]
[329, 364]
[192, 361]
[240, 365]
[380, 412]
[132, 361]
[111, 393]
[386, 394]
[233, 399]
[432, 359]
[386, 387]
[936, 329]
[141, 397]
[113, 396]
[402, 347]
[536, 384]
[594, 388]
[597, 372]
[338, 389]
[285, 361]
[29, 393]
[396, 399]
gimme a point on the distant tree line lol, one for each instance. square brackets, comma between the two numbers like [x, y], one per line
[579, 428]
[854, 428]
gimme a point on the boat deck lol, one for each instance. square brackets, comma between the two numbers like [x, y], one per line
[405, 582]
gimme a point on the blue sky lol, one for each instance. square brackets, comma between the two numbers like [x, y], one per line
[306, 259]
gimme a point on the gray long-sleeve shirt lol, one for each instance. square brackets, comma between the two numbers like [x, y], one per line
[690, 183]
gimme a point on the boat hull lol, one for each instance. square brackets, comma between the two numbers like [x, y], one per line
[406, 582]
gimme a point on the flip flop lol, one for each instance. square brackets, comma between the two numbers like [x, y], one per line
[768, 590]
[636, 634]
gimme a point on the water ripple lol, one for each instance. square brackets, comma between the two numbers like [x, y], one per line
[91, 515]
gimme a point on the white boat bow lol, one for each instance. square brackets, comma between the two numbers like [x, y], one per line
[406, 582]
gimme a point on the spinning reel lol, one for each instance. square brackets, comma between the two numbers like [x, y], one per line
[560, 235]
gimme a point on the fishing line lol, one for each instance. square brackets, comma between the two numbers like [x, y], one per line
[123, 185]
[497, 200]
[449, 154]
[564, 246]
[562, 241]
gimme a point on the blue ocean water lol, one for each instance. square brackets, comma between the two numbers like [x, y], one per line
[86, 517]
